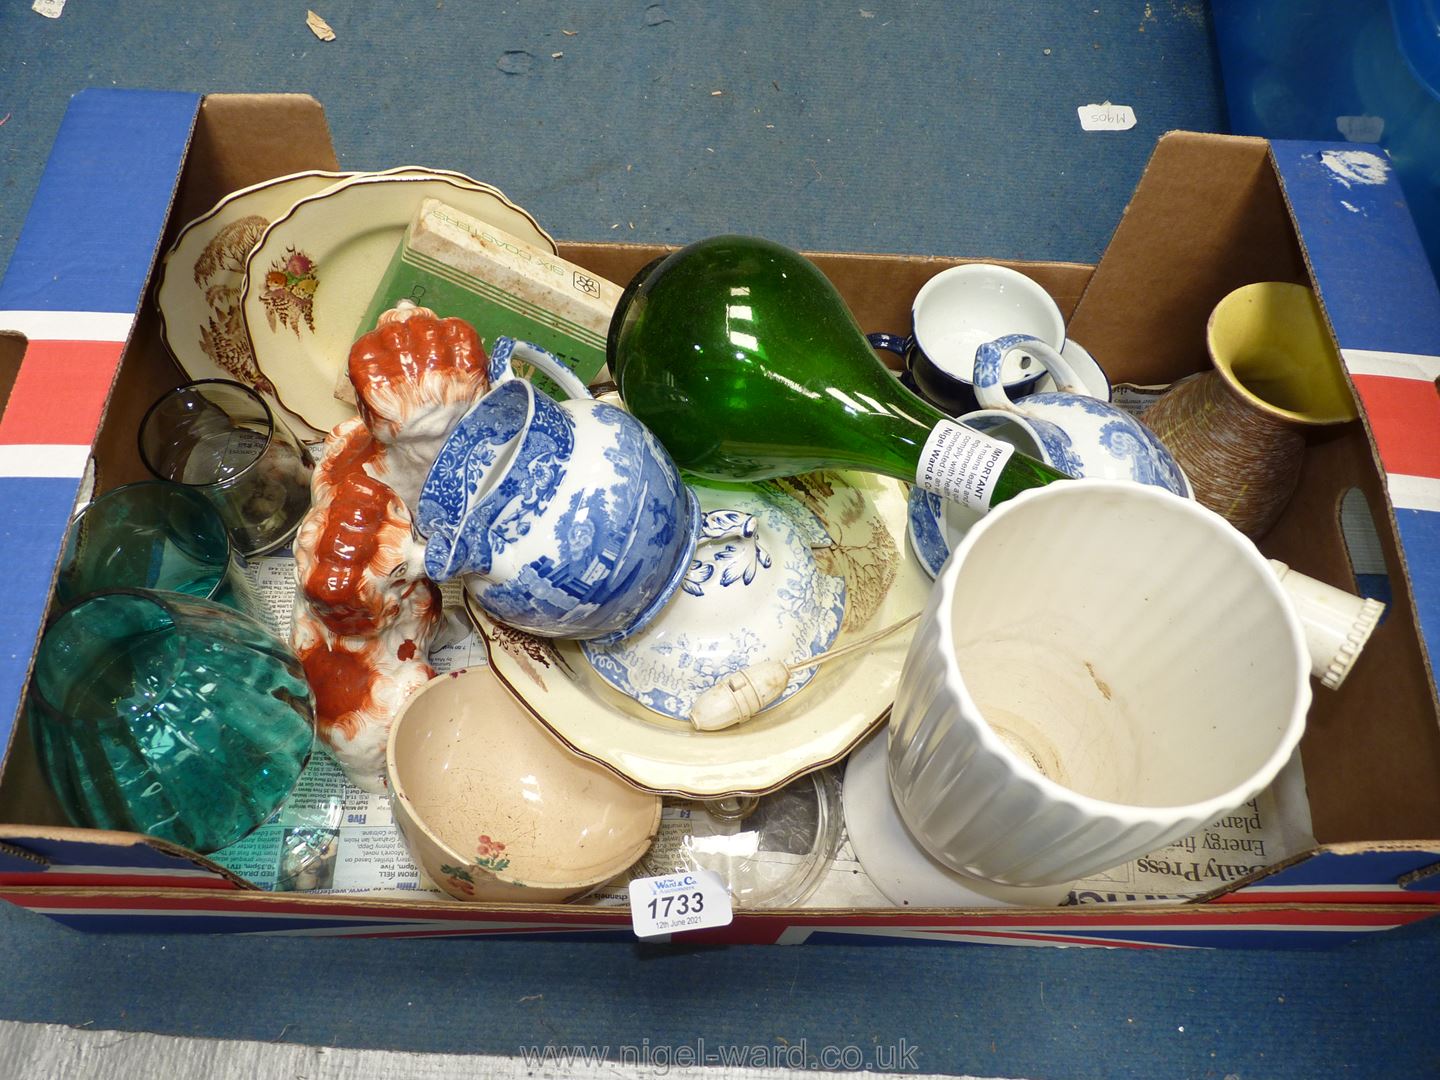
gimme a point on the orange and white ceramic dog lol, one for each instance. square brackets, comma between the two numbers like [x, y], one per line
[365, 613]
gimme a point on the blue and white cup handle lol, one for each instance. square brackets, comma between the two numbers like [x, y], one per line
[507, 350]
[900, 346]
[990, 391]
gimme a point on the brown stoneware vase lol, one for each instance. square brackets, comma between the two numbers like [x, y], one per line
[1238, 430]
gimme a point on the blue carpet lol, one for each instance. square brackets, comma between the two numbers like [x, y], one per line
[929, 128]
[912, 127]
[1358, 1010]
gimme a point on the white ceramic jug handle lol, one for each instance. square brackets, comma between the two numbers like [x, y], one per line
[1337, 623]
[990, 389]
[508, 349]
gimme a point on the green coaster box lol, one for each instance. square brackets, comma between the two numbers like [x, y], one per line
[456, 265]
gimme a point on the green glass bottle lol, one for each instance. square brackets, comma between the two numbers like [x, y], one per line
[745, 362]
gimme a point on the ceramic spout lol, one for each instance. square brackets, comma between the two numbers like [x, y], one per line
[1337, 623]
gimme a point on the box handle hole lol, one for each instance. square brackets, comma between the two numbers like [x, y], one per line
[1362, 547]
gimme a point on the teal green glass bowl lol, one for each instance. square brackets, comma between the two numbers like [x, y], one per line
[164, 714]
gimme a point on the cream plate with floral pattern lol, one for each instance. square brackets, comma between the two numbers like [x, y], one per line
[311, 277]
[863, 517]
[203, 273]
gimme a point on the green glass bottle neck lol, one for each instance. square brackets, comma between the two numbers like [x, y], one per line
[745, 361]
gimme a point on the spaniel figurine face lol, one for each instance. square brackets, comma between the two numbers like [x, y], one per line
[414, 376]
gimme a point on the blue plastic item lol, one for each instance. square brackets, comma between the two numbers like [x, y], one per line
[1362, 70]
[1417, 32]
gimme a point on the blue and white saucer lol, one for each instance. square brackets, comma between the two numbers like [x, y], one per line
[936, 525]
[1092, 375]
[753, 592]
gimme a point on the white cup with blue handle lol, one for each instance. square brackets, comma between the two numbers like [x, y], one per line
[955, 312]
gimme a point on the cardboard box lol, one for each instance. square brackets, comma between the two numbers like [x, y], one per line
[1211, 213]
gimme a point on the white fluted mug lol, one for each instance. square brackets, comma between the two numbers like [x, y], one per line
[1051, 726]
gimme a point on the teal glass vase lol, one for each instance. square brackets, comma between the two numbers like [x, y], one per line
[164, 714]
[744, 360]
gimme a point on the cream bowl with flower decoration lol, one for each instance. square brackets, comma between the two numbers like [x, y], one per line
[492, 807]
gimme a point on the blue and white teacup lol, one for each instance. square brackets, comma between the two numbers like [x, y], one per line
[566, 519]
[1082, 435]
[957, 311]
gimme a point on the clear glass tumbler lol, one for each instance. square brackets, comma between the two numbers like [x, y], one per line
[221, 438]
[160, 713]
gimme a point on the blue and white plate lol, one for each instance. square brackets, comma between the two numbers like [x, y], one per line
[753, 592]
[935, 525]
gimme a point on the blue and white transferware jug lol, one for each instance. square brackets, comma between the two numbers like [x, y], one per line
[567, 519]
